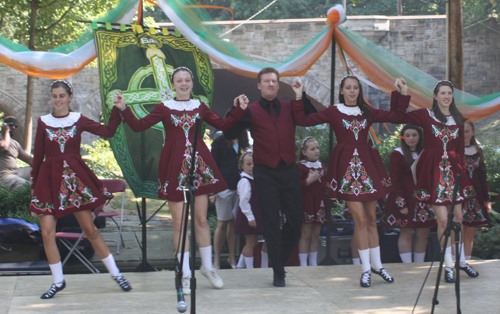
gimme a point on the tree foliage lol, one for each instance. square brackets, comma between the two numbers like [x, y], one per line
[56, 23]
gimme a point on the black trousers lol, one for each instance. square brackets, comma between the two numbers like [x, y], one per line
[279, 189]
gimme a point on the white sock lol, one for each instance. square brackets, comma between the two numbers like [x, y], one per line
[419, 257]
[186, 271]
[313, 258]
[453, 257]
[206, 257]
[405, 257]
[57, 273]
[375, 258]
[241, 262]
[448, 259]
[264, 260]
[468, 257]
[462, 261]
[303, 259]
[110, 264]
[364, 256]
[356, 261]
[249, 262]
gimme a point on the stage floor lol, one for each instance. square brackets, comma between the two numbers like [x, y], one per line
[322, 289]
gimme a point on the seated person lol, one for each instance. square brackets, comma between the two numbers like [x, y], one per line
[12, 177]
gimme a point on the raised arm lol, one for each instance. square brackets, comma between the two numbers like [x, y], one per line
[108, 130]
[397, 114]
[308, 120]
[222, 124]
[138, 125]
[243, 124]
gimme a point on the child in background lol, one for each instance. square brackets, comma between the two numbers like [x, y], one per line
[476, 211]
[402, 210]
[312, 183]
[249, 218]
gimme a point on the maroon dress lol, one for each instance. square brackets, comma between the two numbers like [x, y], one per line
[61, 181]
[313, 195]
[420, 215]
[355, 170]
[475, 212]
[441, 160]
[178, 118]
[249, 198]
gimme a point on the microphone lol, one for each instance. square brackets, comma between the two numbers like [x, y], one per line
[181, 304]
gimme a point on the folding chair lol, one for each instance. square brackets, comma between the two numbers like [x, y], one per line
[66, 237]
[115, 186]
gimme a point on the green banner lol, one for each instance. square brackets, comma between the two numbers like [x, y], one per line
[139, 66]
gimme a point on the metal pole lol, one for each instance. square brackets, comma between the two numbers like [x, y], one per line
[328, 260]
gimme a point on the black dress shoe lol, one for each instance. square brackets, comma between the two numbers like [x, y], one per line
[471, 272]
[279, 280]
[449, 275]
[53, 290]
[384, 274]
[366, 279]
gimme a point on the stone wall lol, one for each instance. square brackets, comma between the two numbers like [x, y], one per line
[418, 40]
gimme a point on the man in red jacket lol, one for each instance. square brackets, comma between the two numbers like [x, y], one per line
[276, 175]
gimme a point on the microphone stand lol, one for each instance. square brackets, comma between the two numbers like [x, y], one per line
[189, 201]
[457, 228]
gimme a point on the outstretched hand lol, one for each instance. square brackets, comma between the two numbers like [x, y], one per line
[119, 101]
[401, 86]
[242, 101]
[298, 88]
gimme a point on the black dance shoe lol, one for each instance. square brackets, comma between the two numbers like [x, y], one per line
[384, 274]
[53, 290]
[469, 271]
[449, 274]
[366, 279]
[123, 283]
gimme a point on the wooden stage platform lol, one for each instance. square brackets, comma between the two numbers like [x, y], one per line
[321, 289]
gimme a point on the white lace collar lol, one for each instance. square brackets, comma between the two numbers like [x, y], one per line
[414, 155]
[246, 175]
[188, 105]
[471, 150]
[348, 110]
[311, 164]
[63, 122]
[449, 119]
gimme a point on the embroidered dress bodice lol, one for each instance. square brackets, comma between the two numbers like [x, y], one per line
[61, 181]
[355, 169]
[178, 118]
[441, 160]
[63, 134]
